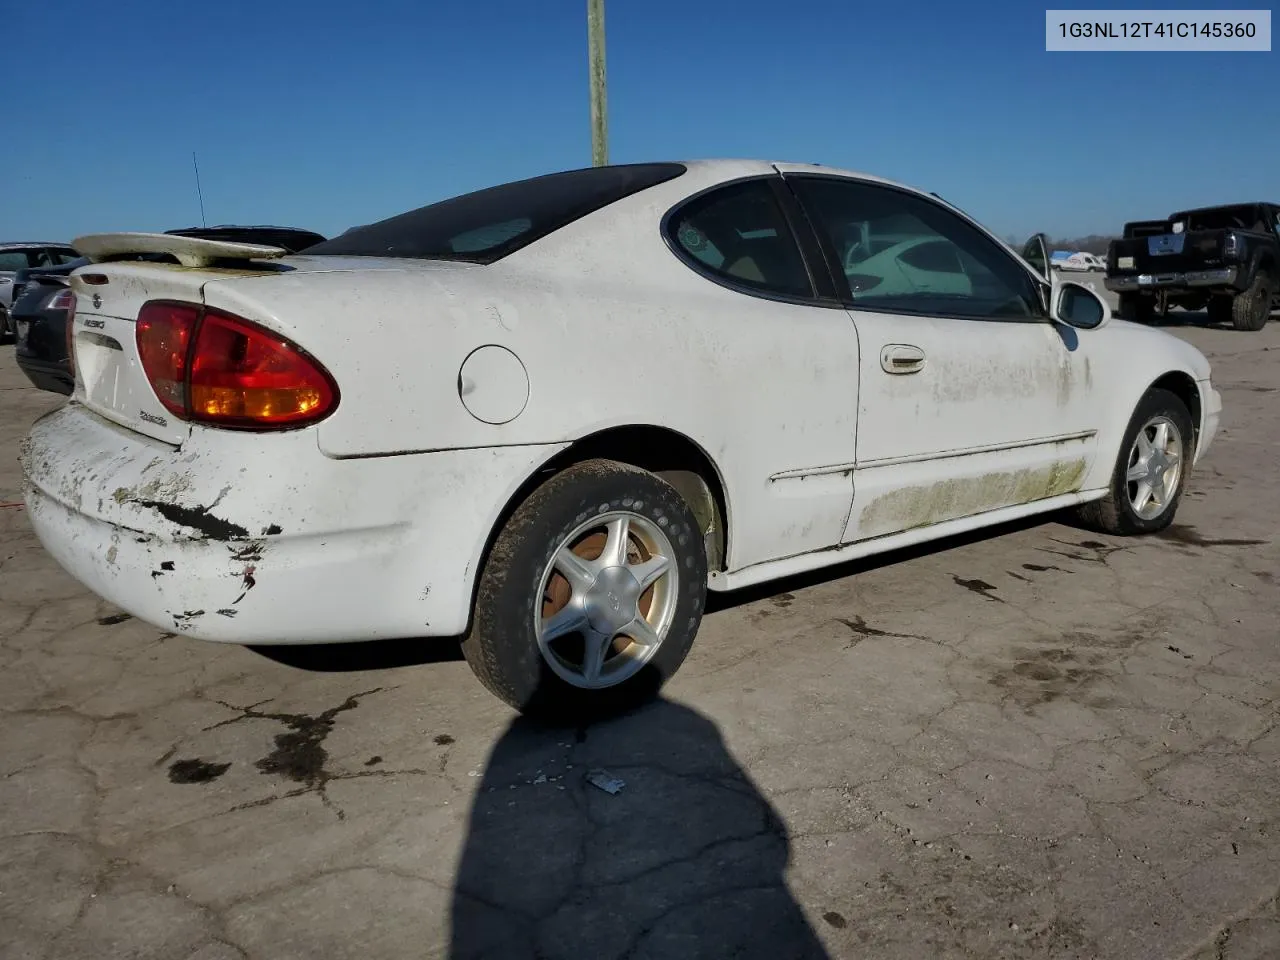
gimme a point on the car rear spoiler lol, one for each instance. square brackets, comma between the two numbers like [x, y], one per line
[188, 251]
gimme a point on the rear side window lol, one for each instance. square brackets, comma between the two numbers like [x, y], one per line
[489, 224]
[738, 234]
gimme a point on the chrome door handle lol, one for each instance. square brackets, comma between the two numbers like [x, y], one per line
[901, 358]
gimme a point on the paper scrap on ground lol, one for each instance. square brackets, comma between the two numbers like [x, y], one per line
[606, 781]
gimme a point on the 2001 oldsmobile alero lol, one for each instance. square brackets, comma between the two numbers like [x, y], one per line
[550, 415]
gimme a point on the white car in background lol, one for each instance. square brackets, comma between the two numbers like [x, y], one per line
[1081, 262]
[549, 416]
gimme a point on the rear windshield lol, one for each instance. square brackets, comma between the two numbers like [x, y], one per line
[487, 225]
[1223, 218]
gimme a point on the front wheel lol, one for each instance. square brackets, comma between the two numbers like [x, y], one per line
[1151, 471]
[591, 595]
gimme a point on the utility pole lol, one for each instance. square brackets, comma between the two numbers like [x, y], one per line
[599, 99]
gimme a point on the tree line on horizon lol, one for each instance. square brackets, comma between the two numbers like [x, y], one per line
[1095, 243]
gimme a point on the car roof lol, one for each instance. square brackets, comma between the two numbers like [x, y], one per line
[732, 167]
[1247, 205]
[33, 245]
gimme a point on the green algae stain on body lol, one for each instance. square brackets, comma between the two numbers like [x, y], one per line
[925, 505]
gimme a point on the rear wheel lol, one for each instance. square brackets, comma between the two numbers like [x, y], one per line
[1251, 309]
[1219, 309]
[1137, 308]
[591, 595]
[1151, 471]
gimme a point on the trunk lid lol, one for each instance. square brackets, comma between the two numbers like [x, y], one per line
[110, 292]
[110, 380]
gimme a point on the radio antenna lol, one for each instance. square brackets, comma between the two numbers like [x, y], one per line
[199, 192]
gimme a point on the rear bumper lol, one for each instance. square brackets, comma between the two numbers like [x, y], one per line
[1226, 277]
[263, 539]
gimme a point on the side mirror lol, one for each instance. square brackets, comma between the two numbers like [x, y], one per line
[1077, 306]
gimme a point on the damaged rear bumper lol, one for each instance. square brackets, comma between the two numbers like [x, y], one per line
[252, 538]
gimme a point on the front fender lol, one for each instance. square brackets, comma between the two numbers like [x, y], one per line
[1127, 360]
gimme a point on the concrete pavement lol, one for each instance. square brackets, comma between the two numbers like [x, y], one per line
[1037, 742]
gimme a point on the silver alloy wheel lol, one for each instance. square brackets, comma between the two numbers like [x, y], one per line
[1154, 468]
[608, 598]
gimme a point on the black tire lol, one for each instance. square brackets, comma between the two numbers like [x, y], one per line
[5, 335]
[1137, 308]
[1251, 310]
[502, 648]
[1115, 514]
[1219, 310]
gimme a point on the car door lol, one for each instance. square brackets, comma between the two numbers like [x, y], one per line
[970, 398]
[784, 358]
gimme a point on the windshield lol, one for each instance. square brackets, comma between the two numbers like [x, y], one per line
[1222, 218]
[489, 224]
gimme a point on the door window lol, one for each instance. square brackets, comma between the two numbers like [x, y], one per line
[901, 252]
[738, 235]
[14, 260]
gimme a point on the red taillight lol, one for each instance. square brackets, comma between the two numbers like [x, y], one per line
[62, 300]
[215, 368]
[164, 343]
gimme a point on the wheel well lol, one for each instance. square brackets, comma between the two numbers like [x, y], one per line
[669, 454]
[1267, 265]
[1185, 389]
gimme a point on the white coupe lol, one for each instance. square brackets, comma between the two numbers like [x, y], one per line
[548, 416]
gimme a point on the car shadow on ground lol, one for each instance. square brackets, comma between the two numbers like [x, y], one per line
[364, 655]
[1198, 318]
[639, 836]
[420, 651]
[717, 601]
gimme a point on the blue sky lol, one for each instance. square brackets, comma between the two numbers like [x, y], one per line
[326, 114]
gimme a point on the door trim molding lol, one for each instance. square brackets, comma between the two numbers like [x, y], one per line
[799, 473]
[970, 451]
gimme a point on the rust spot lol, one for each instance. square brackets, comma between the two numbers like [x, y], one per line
[197, 518]
[250, 552]
[247, 581]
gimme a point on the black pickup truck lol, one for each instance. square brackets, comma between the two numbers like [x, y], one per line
[1225, 259]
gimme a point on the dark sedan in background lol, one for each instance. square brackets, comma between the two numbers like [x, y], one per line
[43, 302]
[39, 315]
